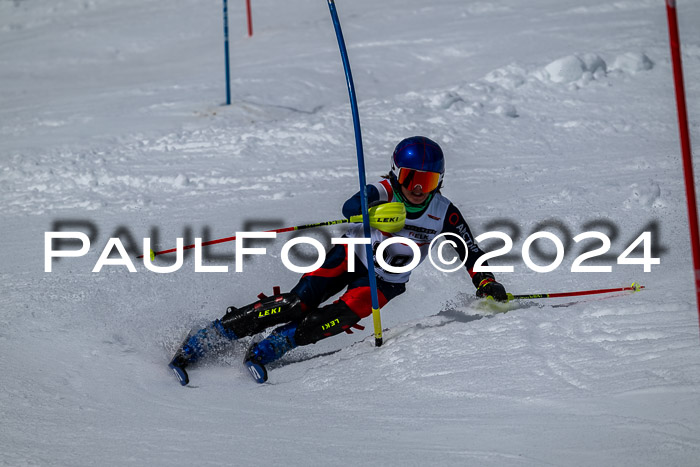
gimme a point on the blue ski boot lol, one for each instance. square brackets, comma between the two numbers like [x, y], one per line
[195, 346]
[279, 342]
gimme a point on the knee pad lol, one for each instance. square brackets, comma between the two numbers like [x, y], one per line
[325, 322]
[266, 312]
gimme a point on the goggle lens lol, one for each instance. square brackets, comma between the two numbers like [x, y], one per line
[411, 178]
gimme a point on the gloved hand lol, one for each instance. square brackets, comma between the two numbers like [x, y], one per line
[491, 288]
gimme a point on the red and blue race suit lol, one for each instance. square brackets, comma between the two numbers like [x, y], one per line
[438, 217]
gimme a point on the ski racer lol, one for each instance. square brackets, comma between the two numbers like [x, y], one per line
[415, 179]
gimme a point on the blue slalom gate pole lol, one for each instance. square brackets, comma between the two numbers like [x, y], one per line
[361, 169]
[228, 74]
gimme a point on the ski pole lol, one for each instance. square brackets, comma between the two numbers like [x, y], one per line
[633, 288]
[387, 217]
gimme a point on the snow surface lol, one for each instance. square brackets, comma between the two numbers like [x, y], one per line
[550, 111]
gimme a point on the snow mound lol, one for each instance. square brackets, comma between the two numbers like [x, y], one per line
[506, 110]
[446, 100]
[573, 68]
[594, 64]
[508, 77]
[632, 63]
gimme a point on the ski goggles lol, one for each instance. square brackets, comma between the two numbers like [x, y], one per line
[412, 178]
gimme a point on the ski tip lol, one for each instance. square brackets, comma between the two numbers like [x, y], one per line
[257, 371]
[180, 373]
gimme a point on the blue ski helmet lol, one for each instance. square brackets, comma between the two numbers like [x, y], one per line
[421, 156]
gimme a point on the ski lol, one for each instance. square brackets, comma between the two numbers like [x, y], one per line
[257, 371]
[179, 371]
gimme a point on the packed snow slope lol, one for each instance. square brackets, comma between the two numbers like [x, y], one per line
[554, 115]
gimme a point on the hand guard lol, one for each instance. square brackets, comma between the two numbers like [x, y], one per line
[490, 288]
